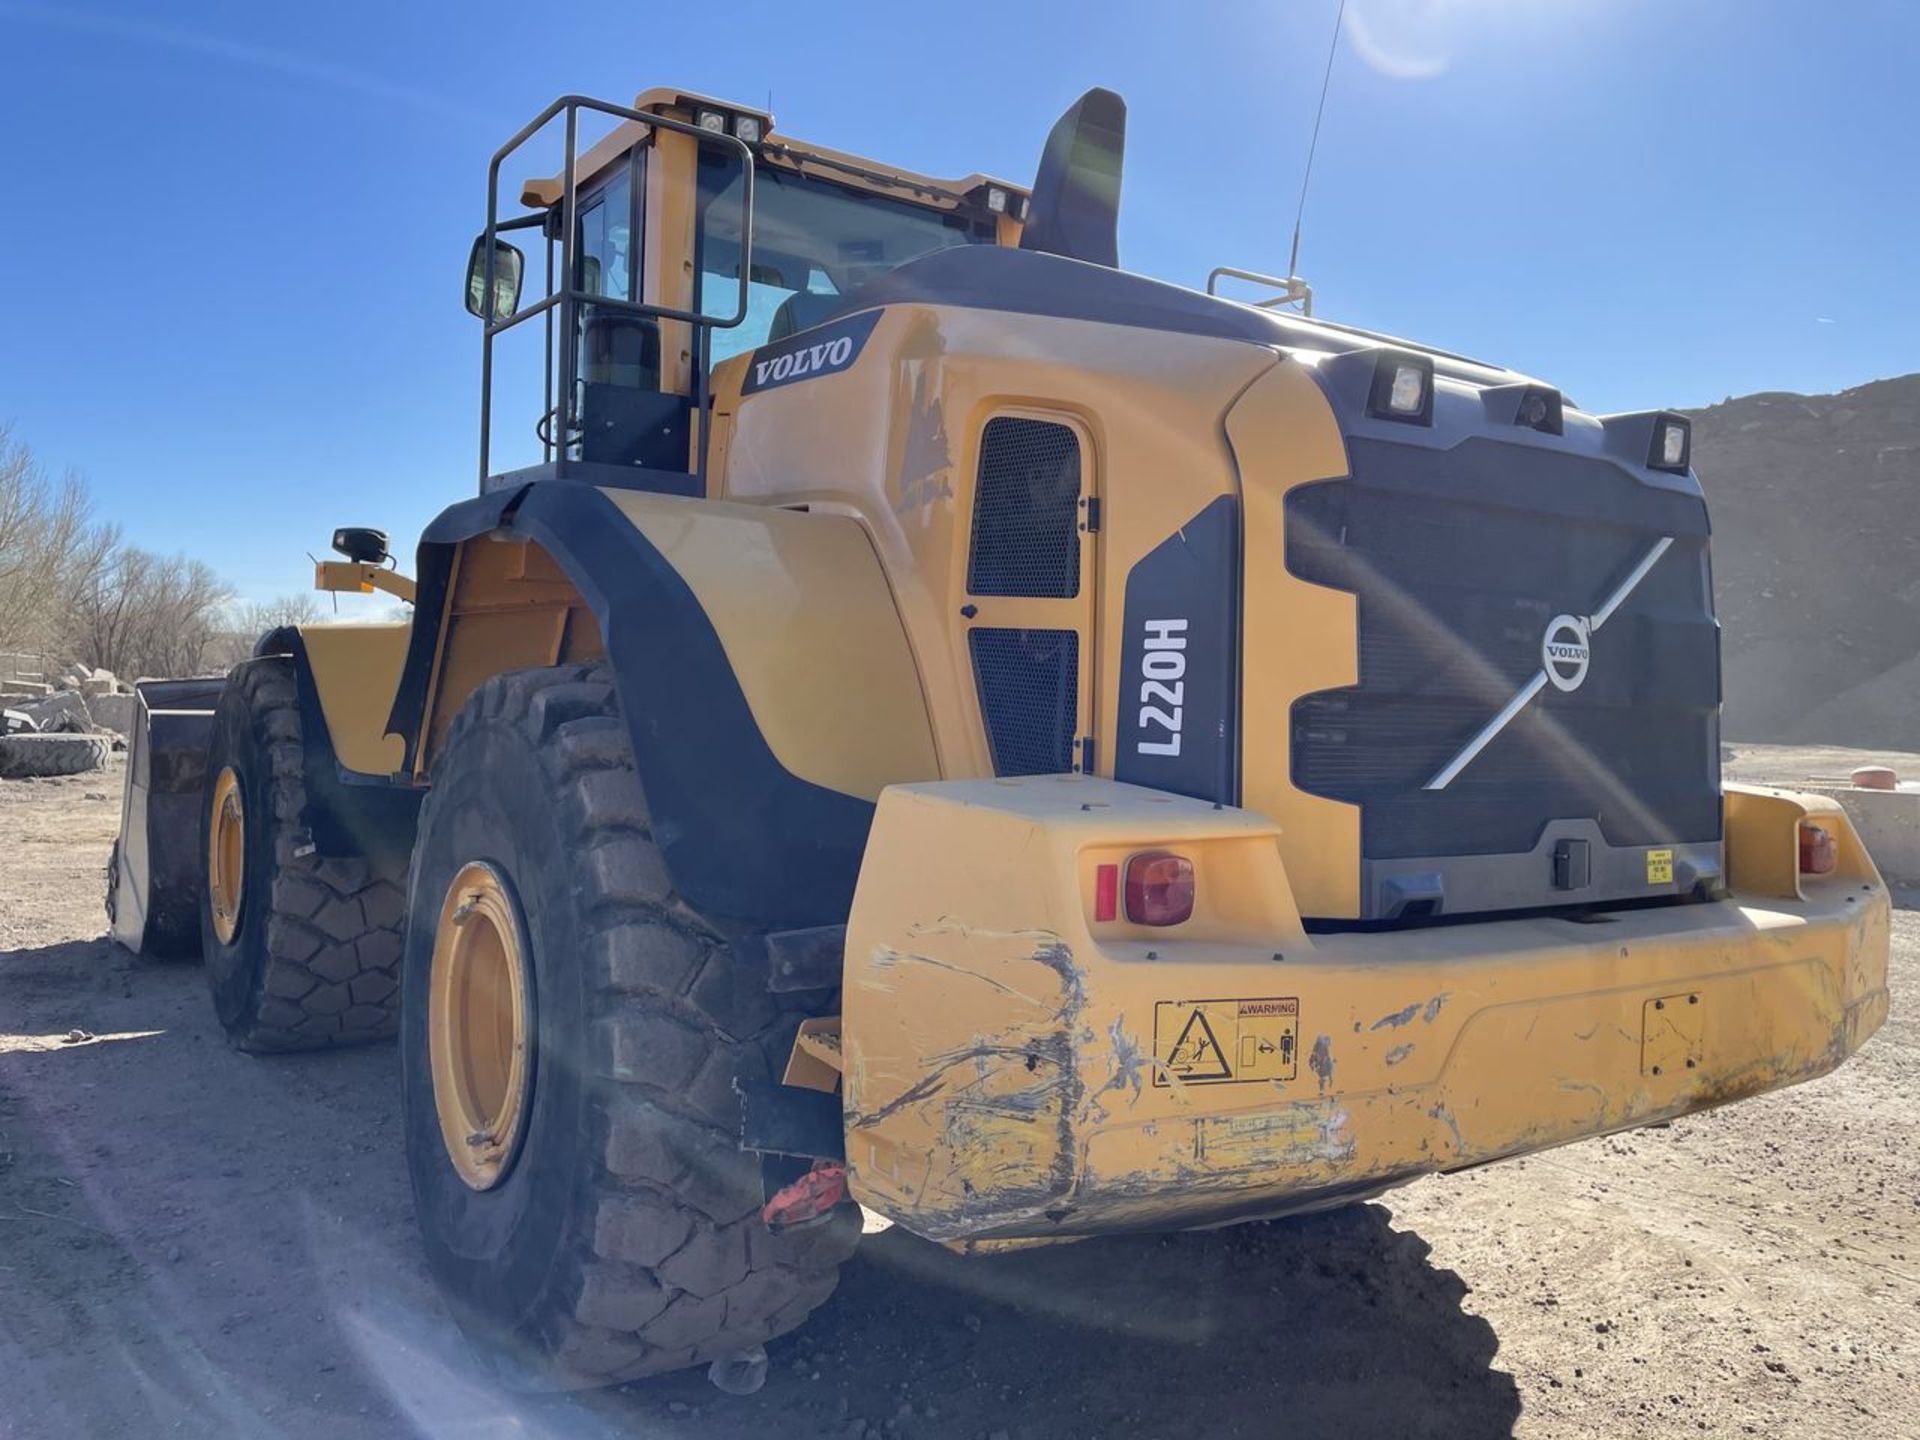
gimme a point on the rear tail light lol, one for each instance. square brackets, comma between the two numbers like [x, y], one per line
[1106, 892]
[1159, 888]
[1818, 853]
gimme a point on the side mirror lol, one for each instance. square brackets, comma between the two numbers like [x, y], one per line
[509, 265]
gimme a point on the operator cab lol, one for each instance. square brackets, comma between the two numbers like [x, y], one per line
[697, 234]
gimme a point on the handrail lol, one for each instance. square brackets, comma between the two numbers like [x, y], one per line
[1298, 292]
[571, 106]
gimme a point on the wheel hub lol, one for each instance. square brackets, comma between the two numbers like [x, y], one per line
[479, 1025]
[227, 855]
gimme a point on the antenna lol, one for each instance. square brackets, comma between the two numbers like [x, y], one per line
[1333, 48]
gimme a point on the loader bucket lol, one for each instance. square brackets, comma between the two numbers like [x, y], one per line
[158, 868]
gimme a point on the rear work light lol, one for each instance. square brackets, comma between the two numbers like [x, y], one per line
[1818, 854]
[1402, 388]
[1672, 447]
[1543, 410]
[1159, 888]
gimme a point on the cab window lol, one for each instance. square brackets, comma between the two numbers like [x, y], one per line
[606, 247]
[813, 242]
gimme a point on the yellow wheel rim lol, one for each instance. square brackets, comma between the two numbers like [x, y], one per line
[227, 855]
[479, 1025]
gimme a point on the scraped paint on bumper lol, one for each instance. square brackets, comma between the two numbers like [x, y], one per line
[1014, 1071]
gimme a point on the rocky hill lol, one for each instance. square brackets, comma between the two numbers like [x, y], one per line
[1816, 553]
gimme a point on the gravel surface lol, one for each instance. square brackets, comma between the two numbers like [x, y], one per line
[194, 1242]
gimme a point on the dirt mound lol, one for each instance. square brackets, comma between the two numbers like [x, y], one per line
[1816, 518]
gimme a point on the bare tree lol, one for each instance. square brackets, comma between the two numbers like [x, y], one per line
[244, 624]
[69, 585]
[147, 614]
[50, 547]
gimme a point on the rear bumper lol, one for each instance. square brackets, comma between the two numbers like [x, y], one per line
[1016, 1071]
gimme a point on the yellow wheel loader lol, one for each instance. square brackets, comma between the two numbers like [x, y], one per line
[943, 726]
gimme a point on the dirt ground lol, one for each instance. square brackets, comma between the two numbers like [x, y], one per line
[194, 1242]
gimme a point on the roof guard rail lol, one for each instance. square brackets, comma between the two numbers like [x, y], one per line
[1295, 291]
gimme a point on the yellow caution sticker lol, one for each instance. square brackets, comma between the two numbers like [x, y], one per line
[1221, 1042]
[1659, 867]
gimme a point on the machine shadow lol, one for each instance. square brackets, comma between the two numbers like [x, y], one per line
[64, 963]
[1332, 1324]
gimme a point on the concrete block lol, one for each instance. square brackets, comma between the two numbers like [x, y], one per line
[113, 712]
[100, 682]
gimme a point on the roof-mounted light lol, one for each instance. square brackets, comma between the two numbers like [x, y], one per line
[1541, 409]
[712, 120]
[1402, 388]
[746, 129]
[996, 200]
[1672, 447]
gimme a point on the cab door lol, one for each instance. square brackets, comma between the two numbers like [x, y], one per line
[623, 413]
[1029, 585]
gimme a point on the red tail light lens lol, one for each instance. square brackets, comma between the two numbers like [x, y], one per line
[1818, 853]
[1159, 888]
[1106, 892]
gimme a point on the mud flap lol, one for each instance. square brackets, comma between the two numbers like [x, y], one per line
[158, 870]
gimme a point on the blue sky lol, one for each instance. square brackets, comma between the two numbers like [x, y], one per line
[236, 231]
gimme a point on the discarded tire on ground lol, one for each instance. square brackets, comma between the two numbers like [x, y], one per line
[26, 756]
[302, 951]
[570, 1038]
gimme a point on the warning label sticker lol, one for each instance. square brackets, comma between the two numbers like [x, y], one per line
[1659, 867]
[1216, 1042]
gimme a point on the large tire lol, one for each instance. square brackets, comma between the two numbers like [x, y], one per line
[312, 958]
[623, 1236]
[25, 757]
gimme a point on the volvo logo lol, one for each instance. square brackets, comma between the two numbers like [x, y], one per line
[823, 350]
[1565, 651]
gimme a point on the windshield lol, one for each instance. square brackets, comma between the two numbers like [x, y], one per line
[813, 241]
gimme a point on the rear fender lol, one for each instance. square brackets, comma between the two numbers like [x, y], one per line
[762, 669]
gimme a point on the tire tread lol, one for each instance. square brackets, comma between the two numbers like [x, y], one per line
[673, 1265]
[332, 923]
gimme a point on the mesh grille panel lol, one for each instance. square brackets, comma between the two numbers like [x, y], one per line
[1026, 511]
[1460, 562]
[1029, 692]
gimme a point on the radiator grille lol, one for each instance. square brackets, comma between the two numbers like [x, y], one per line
[1460, 560]
[1029, 693]
[1026, 511]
